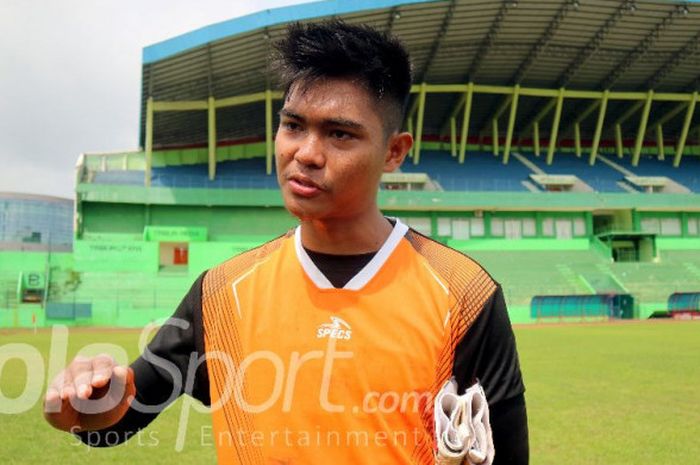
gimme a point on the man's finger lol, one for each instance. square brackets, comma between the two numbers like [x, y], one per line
[81, 371]
[64, 381]
[102, 367]
[52, 400]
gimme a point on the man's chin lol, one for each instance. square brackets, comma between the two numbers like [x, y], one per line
[304, 212]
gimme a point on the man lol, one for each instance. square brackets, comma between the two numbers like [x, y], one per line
[329, 342]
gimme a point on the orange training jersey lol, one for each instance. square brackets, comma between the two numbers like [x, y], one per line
[301, 372]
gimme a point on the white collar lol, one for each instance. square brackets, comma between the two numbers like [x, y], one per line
[368, 272]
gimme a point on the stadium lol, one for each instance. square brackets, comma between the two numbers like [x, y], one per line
[556, 142]
[556, 135]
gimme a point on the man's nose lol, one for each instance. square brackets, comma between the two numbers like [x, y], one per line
[310, 152]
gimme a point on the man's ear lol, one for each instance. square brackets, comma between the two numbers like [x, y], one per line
[397, 148]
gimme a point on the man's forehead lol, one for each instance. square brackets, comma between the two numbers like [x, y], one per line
[341, 96]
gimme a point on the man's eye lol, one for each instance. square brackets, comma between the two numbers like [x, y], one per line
[340, 135]
[291, 126]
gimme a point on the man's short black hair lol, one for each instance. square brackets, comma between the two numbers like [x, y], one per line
[335, 49]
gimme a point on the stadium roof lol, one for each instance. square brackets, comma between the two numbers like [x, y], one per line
[629, 45]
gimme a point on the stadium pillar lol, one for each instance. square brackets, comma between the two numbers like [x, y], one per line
[149, 141]
[453, 136]
[511, 123]
[618, 140]
[409, 128]
[211, 126]
[577, 139]
[494, 136]
[642, 128]
[555, 127]
[599, 127]
[684, 132]
[269, 152]
[465, 121]
[536, 137]
[660, 141]
[419, 122]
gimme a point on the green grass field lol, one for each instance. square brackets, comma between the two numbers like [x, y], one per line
[597, 394]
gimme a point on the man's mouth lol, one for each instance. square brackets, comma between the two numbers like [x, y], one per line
[303, 186]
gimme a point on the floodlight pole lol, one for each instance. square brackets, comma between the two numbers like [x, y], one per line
[642, 128]
[684, 132]
[511, 122]
[149, 141]
[269, 152]
[211, 145]
[599, 127]
[555, 127]
[465, 121]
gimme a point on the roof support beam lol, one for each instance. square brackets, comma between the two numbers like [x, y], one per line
[465, 121]
[453, 137]
[684, 133]
[446, 20]
[688, 50]
[629, 112]
[211, 132]
[599, 128]
[642, 129]
[660, 142]
[593, 45]
[419, 123]
[577, 139]
[584, 55]
[484, 47]
[149, 141]
[511, 123]
[269, 150]
[536, 137]
[642, 48]
[669, 115]
[555, 127]
[394, 14]
[537, 49]
[540, 115]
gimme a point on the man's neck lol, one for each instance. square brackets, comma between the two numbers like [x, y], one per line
[346, 236]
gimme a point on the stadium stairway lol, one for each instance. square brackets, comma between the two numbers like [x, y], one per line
[538, 272]
[687, 174]
[600, 176]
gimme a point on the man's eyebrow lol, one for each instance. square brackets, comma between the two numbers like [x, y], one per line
[327, 122]
[290, 114]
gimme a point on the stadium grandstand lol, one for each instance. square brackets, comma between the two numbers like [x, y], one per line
[557, 143]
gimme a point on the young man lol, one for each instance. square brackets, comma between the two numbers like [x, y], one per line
[329, 342]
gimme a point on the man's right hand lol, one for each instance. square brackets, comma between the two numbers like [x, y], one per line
[89, 395]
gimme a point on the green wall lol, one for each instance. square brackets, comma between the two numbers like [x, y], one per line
[116, 256]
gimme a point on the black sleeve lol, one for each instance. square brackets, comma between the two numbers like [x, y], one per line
[161, 372]
[488, 353]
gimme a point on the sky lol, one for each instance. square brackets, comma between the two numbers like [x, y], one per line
[70, 76]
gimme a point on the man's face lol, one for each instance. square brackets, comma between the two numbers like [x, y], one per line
[330, 150]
